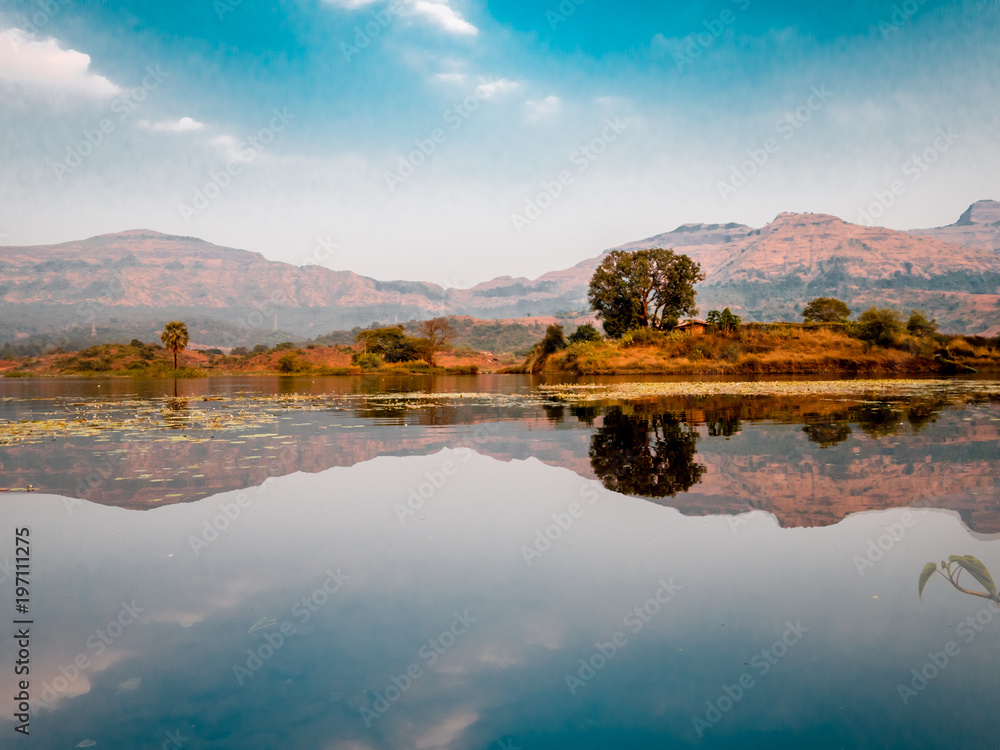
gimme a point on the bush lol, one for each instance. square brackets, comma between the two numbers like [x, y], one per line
[289, 363]
[553, 341]
[879, 326]
[283, 346]
[918, 324]
[260, 349]
[367, 361]
[240, 351]
[644, 337]
[584, 334]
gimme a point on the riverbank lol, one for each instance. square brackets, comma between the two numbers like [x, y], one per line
[139, 360]
[779, 349]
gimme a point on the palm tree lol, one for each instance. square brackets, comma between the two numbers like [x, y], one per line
[174, 337]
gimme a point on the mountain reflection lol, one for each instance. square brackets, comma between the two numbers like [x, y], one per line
[642, 453]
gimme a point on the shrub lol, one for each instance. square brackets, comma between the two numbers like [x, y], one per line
[260, 349]
[552, 342]
[585, 333]
[240, 351]
[732, 353]
[918, 324]
[644, 337]
[283, 346]
[289, 363]
[367, 361]
[879, 326]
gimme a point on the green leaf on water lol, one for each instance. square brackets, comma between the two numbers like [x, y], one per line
[979, 572]
[925, 575]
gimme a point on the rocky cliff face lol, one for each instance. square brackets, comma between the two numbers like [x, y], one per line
[977, 228]
[762, 274]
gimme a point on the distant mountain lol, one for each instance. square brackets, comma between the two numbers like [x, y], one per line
[137, 280]
[978, 228]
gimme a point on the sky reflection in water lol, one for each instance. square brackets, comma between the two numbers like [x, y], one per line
[473, 551]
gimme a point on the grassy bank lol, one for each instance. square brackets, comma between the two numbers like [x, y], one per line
[771, 349]
[140, 360]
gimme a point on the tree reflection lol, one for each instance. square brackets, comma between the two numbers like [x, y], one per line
[827, 434]
[650, 455]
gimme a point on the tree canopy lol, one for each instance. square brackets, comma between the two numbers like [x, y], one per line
[390, 343]
[918, 324]
[826, 310]
[643, 289]
[175, 337]
[880, 326]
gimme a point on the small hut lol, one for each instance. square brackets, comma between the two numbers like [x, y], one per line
[694, 326]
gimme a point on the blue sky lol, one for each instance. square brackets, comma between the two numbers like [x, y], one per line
[457, 140]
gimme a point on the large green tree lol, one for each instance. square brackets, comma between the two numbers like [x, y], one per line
[643, 289]
[175, 337]
[391, 343]
[826, 310]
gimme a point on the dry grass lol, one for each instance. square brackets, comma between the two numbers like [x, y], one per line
[762, 350]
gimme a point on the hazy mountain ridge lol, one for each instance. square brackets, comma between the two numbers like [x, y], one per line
[763, 274]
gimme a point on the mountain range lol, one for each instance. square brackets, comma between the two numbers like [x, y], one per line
[141, 278]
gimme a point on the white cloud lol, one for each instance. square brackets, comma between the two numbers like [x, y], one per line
[183, 125]
[444, 16]
[232, 149]
[43, 64]
[549, 106]
[438, 12]
[488, 89]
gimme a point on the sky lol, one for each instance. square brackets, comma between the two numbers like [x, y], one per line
[454, 141]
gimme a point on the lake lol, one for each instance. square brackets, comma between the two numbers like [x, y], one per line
[499, 562]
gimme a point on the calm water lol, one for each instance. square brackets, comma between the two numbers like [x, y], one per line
[467, 563]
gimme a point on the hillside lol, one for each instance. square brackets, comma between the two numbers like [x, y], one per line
[133, 281]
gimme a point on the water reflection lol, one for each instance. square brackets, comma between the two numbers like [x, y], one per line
[206, 658]
[809, 460]
[646, 452]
